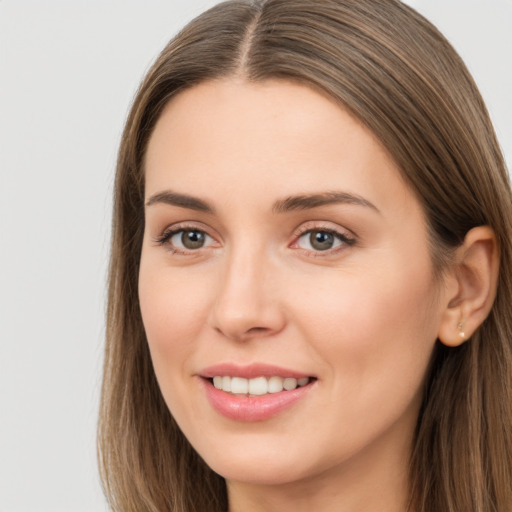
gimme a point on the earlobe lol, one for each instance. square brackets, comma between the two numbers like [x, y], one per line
[475, 278]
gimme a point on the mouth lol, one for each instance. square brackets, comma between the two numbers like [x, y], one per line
[254, 393]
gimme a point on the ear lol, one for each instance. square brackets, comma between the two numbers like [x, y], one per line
[473, 282]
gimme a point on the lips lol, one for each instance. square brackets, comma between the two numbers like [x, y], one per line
[250, 371]
[254, 393]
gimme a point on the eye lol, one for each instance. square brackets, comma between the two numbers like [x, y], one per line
[322, 240]
[183, 240]
[189, 239]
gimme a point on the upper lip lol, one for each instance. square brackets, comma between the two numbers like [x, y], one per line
[250, 371]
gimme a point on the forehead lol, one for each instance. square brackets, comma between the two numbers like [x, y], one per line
[274, 138]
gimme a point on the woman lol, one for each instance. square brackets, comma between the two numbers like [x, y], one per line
[310, 276]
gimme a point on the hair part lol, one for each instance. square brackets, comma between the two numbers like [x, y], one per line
[391, 69]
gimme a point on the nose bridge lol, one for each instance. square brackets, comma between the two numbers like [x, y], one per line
[245, 303]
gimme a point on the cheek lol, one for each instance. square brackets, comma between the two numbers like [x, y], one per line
[374, 333]
[172, 307]
[375, 328]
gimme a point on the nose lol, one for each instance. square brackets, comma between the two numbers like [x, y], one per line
[246, 303]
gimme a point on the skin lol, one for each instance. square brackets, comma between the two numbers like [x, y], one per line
[362, 318]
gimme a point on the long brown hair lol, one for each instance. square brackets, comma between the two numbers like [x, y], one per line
[395, 72]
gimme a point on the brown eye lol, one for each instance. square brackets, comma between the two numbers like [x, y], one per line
[189, 239]
[192, 239]
[321, 240]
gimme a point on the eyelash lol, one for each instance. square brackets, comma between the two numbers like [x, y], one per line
[342, 237]
[165, 238]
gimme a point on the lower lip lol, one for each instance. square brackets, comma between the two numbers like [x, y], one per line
[253, 408]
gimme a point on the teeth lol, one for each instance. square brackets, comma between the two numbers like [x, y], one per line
[289, 383]
[226, 383]
[239, 386]
[257, 386]
[275, 384]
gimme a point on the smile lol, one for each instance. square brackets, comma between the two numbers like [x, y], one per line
[257, 386]
[254, 393]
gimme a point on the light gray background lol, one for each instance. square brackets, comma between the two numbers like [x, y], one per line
[68, 71]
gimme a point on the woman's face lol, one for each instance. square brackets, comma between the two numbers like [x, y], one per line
[282, 248]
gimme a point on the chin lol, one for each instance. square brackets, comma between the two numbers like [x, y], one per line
[262, 461]
[259, 472]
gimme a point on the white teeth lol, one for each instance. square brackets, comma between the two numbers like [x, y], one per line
[217, 382]
[239, 385]
[289, 383]
[275, 384]
[257, 386]
[226, 383]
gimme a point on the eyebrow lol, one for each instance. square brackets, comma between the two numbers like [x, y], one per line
[181, 200]
[308, 201]
[292, 203]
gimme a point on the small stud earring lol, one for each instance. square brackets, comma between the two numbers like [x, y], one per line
[461, 332]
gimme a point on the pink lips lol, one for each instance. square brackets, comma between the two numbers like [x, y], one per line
[250, 371]
[251, 408]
